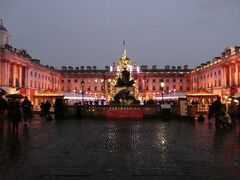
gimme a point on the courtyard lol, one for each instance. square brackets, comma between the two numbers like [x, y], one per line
[101, 149]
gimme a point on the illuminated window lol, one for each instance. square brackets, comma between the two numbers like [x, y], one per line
[219, 82]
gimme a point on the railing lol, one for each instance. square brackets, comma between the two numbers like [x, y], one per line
[98, 111]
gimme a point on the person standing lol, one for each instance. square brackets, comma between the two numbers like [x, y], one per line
[3, 108]
[217, 107]
[26, 105]
[58, 108]
[42, 109]
[14, 113]
[47, 107]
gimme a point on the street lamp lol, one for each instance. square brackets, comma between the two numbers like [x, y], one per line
[74, 91]
[82, 84]
[162, 84]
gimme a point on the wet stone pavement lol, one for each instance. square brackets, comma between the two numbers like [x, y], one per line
[100, 149]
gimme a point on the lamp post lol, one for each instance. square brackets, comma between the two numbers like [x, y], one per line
[74, 91]
[162, 84]
[82, 84]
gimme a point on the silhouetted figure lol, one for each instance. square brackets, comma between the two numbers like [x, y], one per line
[42, 109]
[224, 118]
[3, 107]
[47, 107]
[216, 107]
[26, 105]
[58, 108]
[14, 113]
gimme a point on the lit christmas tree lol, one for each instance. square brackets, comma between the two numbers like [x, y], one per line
[124, 65]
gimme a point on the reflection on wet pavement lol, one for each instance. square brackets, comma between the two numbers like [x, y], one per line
[99, 149]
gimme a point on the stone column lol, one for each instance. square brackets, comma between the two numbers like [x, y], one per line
[14, 75]
[223, 77]
[20, 76]
[26, 77]
[236, 74]
[7, 71]
[1, 73]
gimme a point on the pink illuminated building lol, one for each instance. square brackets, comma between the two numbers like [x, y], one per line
[20, 72]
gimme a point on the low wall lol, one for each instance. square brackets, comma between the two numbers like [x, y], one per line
[99, 111]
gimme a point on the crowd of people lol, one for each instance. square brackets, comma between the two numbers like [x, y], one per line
[15, 110]
[223, 116]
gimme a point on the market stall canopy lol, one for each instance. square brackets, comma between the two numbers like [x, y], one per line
[199, 95]
[48, 95]
[14, 96]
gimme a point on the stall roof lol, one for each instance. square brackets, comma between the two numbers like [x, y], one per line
[200, 95]
[54, 95]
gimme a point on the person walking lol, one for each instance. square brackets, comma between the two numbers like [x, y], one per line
[26, 105]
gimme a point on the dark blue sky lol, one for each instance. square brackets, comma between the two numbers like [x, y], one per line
[91, 32]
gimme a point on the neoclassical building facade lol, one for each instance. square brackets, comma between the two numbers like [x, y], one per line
[20, 72]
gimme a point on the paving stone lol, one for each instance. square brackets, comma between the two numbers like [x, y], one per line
[100, 149]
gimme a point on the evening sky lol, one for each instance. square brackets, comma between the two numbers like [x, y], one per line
[91, 32]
